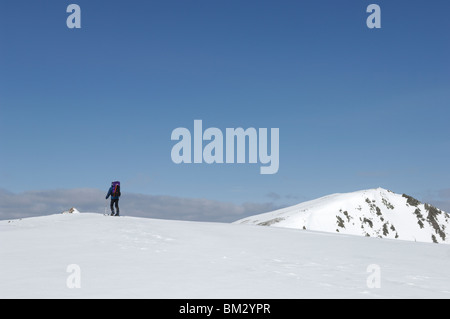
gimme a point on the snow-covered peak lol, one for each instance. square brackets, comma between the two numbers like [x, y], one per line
[374, 212]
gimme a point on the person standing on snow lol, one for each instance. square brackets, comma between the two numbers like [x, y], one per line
[114, 192]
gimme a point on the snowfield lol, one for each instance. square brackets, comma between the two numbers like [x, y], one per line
[89, 255]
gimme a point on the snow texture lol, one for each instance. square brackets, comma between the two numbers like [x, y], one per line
[129, 257]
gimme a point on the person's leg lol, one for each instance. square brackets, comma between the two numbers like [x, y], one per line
[117, 207]
[112, 207]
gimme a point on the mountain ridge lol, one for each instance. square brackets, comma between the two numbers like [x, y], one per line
[374, 213]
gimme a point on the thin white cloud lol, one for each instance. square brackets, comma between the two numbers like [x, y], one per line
[38, 203]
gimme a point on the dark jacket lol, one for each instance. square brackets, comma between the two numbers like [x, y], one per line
[110, 194]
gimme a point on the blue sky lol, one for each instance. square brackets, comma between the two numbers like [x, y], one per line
[357, 108]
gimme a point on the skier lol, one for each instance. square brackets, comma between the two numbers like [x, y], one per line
[114, 192]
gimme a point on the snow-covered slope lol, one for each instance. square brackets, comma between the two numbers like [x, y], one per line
[126, 257]
[375, 213]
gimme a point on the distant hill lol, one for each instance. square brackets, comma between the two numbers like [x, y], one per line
[375, 213]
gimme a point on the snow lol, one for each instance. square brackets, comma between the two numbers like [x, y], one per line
[129, 257]
[73, 210]
[375, 213]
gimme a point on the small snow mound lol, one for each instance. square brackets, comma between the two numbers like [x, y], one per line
[73, 210]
